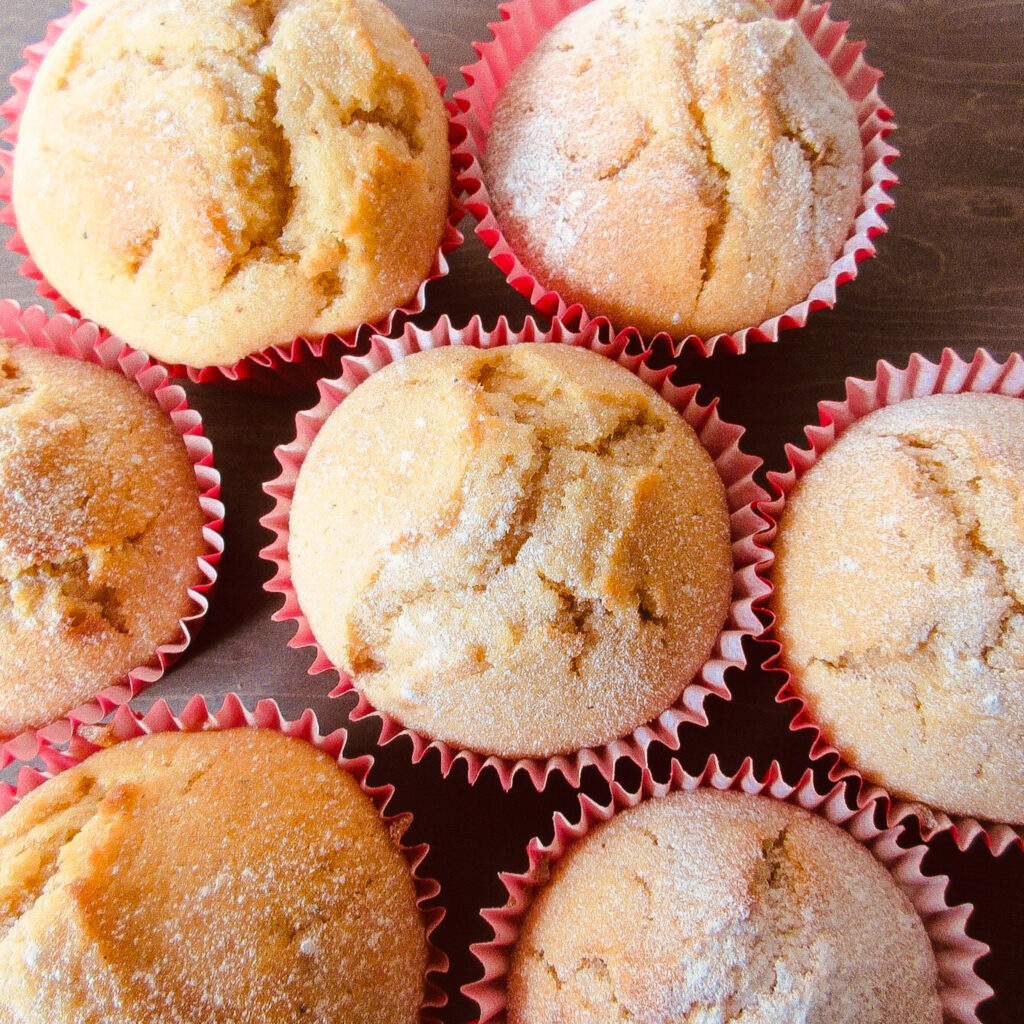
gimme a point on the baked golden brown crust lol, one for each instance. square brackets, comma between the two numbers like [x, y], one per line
[678, 165]
[519, 550]
[211, 177]
[204, 878]
[100, 532]
[899, 594]
[724, 907]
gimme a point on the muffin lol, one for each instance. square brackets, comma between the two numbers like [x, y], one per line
[100, 533]
[899, 583]
[721, 906]
[209, 178]
[518, 550]
[235, 876]
[689, 166]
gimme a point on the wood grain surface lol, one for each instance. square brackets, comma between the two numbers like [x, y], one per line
[948, 273]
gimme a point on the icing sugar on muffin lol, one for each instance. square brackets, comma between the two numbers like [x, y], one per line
[713, 906]
[689, 166]
[206, 877]
[899, 595]
[211, 177]
[520, 550]
[100, 532]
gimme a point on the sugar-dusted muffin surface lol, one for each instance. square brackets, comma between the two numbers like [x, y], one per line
[210, 177]
[100, 532]
[899, 592]
[689, 166]
[721, 907]
[206, 877]
[519, 550]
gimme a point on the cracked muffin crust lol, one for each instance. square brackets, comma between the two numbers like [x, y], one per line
[520, 550]
[100, 533]
[211, 177]
[702, 177]
[238, 875]
[899, 597]
[718, 906]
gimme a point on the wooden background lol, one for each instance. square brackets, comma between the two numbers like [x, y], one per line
[948, 273]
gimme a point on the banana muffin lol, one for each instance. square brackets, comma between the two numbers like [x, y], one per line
[100, 532]
[899, 586]
[521, 550]
[689, 166]
[206, 877]
[208, 178]
[716, 906]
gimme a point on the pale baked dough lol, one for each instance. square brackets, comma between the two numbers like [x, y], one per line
[721, 907]
[678, 165]
[204, 878]
[520, 550]
[210, 177]
[100, 532]
[899, 593]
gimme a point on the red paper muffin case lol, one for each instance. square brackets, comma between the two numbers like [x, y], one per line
[951, 375]
[279, 367]
[522, 25]
[720, 439]
[85, 341]
[960, 989]
[198, 716]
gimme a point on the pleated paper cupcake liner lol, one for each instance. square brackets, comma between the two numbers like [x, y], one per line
[84, 341]
[523, 24]
[719, 438]
[950, 375]
[282, 367]
[198, 716]
[960, 988]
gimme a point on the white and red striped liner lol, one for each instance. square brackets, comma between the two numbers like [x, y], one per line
[197, 716]
[277, 367]
[85, 341]
[524, 22]
[960, 988]
[719, 438]
[950, 375]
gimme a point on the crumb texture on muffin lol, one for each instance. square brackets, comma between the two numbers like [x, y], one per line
[100, 532]
[899, 592]
[721, 907]
[206, 877]
[208, 178]
[677, 165]
[521, 550]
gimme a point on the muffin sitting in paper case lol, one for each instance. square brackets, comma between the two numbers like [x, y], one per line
[208, 179]
[709, 169]
[228, 875]
[899, 598]
[523, 550]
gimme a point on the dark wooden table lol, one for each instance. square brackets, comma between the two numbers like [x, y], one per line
[948, 273]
